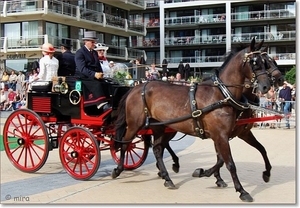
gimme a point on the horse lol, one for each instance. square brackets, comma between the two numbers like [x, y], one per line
[207, 110]
[244, 131]
[241, 131]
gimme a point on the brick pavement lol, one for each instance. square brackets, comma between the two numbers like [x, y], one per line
[52, 184]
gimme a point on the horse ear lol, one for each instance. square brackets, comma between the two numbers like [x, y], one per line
[265, 49]
[260, 45]
[252, 45]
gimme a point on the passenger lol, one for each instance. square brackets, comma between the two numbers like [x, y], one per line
[89, 70]
[101, 50]
[48, 64]
[66, 59]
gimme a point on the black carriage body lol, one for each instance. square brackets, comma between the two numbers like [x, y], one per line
[53, 104]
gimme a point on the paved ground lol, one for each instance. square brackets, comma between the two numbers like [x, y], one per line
[52, 184]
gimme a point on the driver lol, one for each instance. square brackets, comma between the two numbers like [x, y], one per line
[96, 91]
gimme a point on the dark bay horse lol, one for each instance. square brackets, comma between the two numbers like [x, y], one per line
[244, 131]
[208, 110]
[241, 131]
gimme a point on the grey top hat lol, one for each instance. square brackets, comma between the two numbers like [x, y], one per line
[89, 35]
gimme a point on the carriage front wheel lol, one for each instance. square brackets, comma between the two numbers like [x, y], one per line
[26, 140]
[136, 153]
[79, 153]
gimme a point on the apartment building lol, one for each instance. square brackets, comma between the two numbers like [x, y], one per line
[195, 32]
[201, 32]
[27, 24]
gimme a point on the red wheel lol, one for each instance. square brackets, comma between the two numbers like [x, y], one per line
[79, 153]
[136, 153]
[26, 140]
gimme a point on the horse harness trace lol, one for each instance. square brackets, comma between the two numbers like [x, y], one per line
[229, 99]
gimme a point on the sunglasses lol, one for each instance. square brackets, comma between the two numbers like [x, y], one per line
[101, 50]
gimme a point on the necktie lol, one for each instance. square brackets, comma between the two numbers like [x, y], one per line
[92, 54]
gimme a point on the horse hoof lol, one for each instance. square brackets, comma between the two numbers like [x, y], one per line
[198, 173]
[169, 184]
[266, 177]
[245, 197]
[159, 174]
[221, 184]
[175, 168]
[114, 173]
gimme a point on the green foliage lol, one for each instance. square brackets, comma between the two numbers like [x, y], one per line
[290, 76]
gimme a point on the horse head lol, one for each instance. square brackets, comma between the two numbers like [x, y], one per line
[277, 78]
[256, 72]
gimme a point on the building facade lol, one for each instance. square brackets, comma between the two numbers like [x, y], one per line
[201, 32]
[26, 25]
[196, 32]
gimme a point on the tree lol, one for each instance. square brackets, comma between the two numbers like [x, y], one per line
[290, 76]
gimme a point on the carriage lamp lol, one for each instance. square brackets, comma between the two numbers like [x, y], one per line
[74, 97]
[61, 86]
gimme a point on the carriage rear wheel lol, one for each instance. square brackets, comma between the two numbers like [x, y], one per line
[136, 153]
[26, 140]
[79, 153]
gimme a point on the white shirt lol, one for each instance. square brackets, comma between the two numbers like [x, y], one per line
[3, 97]
[48, 68]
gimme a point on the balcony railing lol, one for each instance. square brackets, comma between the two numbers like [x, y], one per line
[70, 11]
[33, 43]
[240, 16]
[217, 39]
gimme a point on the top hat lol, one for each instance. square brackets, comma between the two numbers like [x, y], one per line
[89, 35]
[47, 47]
[66, 43]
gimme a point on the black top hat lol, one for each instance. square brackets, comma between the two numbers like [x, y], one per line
[66, 43]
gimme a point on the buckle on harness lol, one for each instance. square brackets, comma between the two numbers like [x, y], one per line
[196, 113]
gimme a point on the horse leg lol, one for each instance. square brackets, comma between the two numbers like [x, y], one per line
[199, 172]
[251, 140]
[158, 152]
[124, 146]
[175, 166]
[222, 146]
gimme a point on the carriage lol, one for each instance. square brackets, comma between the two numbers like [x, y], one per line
[57, 119]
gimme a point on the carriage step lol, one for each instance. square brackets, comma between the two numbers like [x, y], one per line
[53, 144]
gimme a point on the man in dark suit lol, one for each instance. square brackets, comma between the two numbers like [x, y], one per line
[66, 59]
[96, 91]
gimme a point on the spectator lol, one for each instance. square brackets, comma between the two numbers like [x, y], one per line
[285, 97]
[66, 59]
[181, 69]
[10, 98]
[178, 80]
[4, 80]
[187, 70]
[165, 68]
[3, 99]
[154, 72]
[16, 104]
[12, 82]
[20, 81]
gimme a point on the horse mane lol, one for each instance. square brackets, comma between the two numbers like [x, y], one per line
[230, 54]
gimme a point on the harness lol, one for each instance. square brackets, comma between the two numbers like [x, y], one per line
[196, 113]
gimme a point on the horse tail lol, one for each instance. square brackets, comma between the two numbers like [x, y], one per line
[120, 124]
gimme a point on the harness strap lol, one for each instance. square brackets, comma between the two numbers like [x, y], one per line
[198, 125]
[147, 122]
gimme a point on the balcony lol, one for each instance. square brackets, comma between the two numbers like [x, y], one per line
[127, 4]
[235, 17]
[61, 12]
[15, 45]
